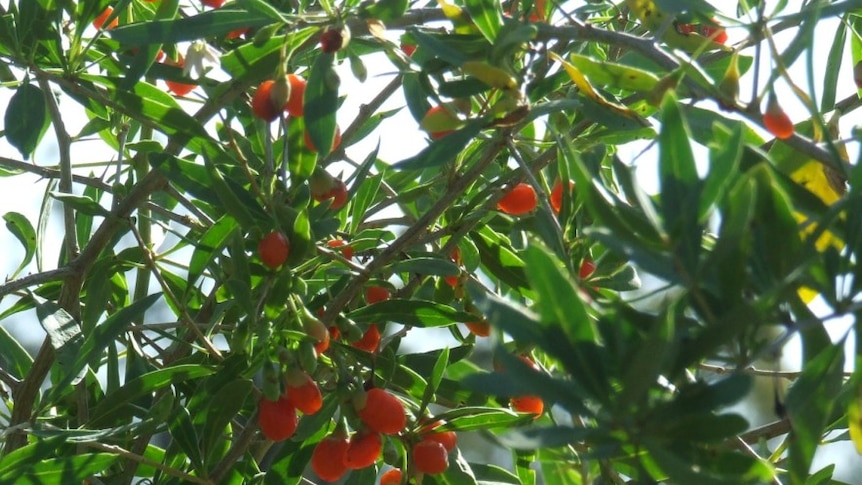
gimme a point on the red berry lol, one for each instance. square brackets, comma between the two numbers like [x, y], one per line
[556, 198]
[380, 411]
[408, 49]
[430, 457]
[277, 419]
[438, 115]
[302, 391]
[374, 294]
[346, 250]
[587, 268]
[685, 28]
[213, 3]
[273, 249]
[178, 88]
[99, 22]
[364, 449]
[392, 477]
[328, 457]
[338, 195]
[715, 32]
[297, 92]
[370, 339]
[518, 201]
[323, 345]
[261, 103]
[446, 438]
[333, 39]
[528, 404]
[480, 329]
[236, 34]
[776, 120]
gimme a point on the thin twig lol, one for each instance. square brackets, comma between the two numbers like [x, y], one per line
[147, 461]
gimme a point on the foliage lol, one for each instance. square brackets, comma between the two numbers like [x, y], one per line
[742, 234]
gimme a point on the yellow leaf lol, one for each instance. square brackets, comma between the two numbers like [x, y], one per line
[854, 421]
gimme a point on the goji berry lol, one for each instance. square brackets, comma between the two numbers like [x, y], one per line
[528, 404]
[518, 201]
[294, 104]
[273, 249]
[556, 198]
[302, 391]
[370, 339]
[480, 328]
[328, 457]
[380, 411]
[392, 477]
[346, 250]
[776, 120]
[374, 294]
[99, 21]
[430, 457]
[364, 449]
[277, 419]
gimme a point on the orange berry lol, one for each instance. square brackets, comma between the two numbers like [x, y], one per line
[323, 345]
[380, 411]
[587, 268]
[277, 419]
[430, 457]
[480, 329]
[363, 450]
[337, 192]
[776, 120]
[236, 34]
[528, 404]
[715, 32]
[99, 21]
[392, 477]
[261, 103]
[178, 88]
[213, 3]
[328, 457]
[346, 250]
[446, 438]
[518, 201]
[556, 198]
[297, 92]
[273, 249]
[302, 391]
[374, 294]
[370, 339]
[686, 28]
[443, 117]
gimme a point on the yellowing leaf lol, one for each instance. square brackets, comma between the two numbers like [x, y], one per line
[655, 20]
[587, 90]
[854, 421]
[615, 75]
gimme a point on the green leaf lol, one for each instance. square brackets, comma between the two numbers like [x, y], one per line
[810, 402]
[66, 469]
[186, 437]
[26, 118]
[112, 406]
[499, 258]
[445, 149]
[650, 358]
[213, 23]
[225, 405]
[425, 266]
[321, 103]
[64, 334]
[487, 15]
[725, 155]
[436, 377]
[81, 203]
[386, 10]
[545, 437]
[470, 418]
[13, 356]
[21, 228]
[93, 344]
[418, 313]
[556, 298]
[680, 185]
[210, 245]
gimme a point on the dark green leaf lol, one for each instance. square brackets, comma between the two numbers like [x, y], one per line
[21, 228]
[26, 118]
[81, 203]
[321, 103]
[419, 313]
[444, 150]
[487, 15]
[213, 23]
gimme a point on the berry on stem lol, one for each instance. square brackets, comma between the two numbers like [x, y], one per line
[302, 391]
[479, 328]
[178, 88]
[328, 457]
[273, 249]
[325, 187]
[363, 450]
[439, 122]
[339, 244]
[446, 438]
[277, 419]
[99, 21]
[294, 104]
[370, 339]
[587, 268]
[213, 3]
[430, 457]
[518, 201]
[556, 198]
[776, 120]
[528, 404]
[392, 477]
[334, 38]
[262, 104]
[714, 31]
[374, 294]
[380, 411]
